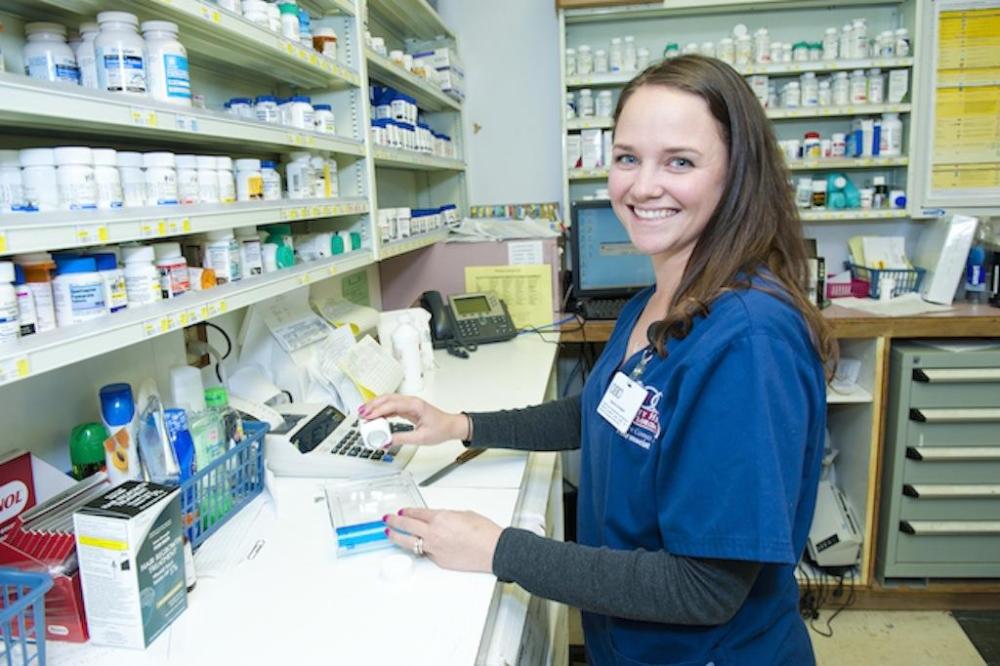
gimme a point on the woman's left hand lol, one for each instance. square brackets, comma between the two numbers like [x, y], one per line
[461, 540]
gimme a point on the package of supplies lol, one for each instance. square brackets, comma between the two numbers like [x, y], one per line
[356, 510]
[131, 555]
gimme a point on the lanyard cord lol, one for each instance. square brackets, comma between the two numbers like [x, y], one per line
[637, 371]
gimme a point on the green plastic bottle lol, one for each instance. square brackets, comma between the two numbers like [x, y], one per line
[281, 235]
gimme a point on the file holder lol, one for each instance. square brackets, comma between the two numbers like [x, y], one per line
[356, 509]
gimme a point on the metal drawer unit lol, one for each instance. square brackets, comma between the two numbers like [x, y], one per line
[940, 508]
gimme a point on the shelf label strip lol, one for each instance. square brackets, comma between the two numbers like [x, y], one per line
[14, 368]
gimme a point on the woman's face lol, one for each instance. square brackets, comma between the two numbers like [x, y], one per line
[668, 170]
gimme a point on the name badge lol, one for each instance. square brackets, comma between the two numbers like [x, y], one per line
[621, 402]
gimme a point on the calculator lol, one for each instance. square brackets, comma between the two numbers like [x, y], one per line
[322, 441]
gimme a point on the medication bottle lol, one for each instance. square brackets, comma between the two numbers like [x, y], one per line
[26, 315]
[831, 42]
[172, 266]
[791, 95]
[673, 49]
[107, 179]
[762, 46]
[615, 55]
[11, 189]
[811, 146]
[265, 109]
[800, 52]
[121, 54]
[859, 32]
[838, 144]
[78, 290]
[819, 194]
[227, 182]
[323, 119]
[321, 181]
[841, 89]
[133, 179]
[281, 235]
[38, 273]
[880, 197]
[876, 86]
[901, 48]
[605, 104]
[324, 41]
[886, 44]
[242, 108]
[217, 400]
[256, 11]
[221, 253]
[299, 176]
[290, 28]
[142, 278]
[585, 103]
[10, 328]
[115, 292]
[249, 182]
[169, 77]
[630, 56]
[584, 60]
[406, 347]
[271, 180]
[642, 57]
[75, 177]
[251, 260]
[47, 56]
[859, 87]
[809, 86]
[570, 62]
[187, 179]
[846, 47]
[891, 139]
[300, 113]
[121, 447]
[161, 179]
[208, 180]
[38, 178]
[824, 93]
[726, 51]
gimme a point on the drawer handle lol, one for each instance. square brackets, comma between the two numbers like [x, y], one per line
[950, 527]
[944, 415]
[956, 491]
[956, 375]
[952, 453]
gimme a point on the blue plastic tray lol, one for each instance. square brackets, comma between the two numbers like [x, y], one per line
[22, 614]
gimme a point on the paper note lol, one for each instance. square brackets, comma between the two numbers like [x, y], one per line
[525, 252]
[372, 369]
[527, 290]
[293, 324]
[354, 288]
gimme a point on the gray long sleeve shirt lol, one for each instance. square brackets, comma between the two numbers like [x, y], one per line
[637, 584]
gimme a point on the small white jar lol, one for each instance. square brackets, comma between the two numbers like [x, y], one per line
[187, 179]
[841, 89]
[299, 176]
[249, 182]
[290, 28]
[11, 188]
[585, 103]
[10, 323]
[86, 56]
[169, 77]
[38, 177]
[161, 179]
[142, 278]
[47, 56]
[271, 180]
[300, 113]
[173, 269]
[133, 179]
[265, 109]
[859, 87]
[227, 182]
[256, 11]
[121, 54]
[221, 253]
[107, 178]
[876, 86]
[78, 291]
[809, 86]
[601, 65]
[321, 180]
[251, 260]
[570, 62]
[323, 119]
[208, 180]
[584, 60]
[75, 176]
[605, 105]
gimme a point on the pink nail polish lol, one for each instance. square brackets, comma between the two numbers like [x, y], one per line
[400, 512]
[385, 518]
[362, 410]
[387, 531]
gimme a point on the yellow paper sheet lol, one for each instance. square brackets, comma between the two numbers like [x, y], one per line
[525, 288]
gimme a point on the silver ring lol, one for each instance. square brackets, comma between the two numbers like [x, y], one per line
[418, 547]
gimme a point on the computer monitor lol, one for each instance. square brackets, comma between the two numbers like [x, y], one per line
[605, 263]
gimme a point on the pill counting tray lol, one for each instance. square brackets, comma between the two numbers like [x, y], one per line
[356, 510]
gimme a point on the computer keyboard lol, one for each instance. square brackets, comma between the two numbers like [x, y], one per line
[602, 308]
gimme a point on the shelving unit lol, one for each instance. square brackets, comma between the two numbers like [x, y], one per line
[404, 159]
[428, 97]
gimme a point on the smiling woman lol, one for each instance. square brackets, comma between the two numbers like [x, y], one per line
[700, 426]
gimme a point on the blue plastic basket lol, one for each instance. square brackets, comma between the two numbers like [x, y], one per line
[906, 280]
[22, 614]
[218, 492]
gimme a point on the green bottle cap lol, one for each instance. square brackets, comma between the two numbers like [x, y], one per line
[217, 396]
[355, 240]
[287, 8]
[86, 444]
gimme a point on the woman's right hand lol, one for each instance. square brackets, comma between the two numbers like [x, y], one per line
[430, 424]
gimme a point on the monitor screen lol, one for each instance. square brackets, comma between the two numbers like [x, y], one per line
[608, 262]
[469, 305]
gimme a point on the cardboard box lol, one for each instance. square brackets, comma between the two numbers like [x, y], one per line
[131, 551]
[592, 142]
[574, 151]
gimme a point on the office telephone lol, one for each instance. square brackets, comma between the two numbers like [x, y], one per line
[467, 320]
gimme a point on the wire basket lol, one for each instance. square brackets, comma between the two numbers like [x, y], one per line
[868, 281]
[22, 613]
[218, 492]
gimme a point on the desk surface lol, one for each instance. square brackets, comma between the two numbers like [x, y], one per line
[294, 602]
[962, 321]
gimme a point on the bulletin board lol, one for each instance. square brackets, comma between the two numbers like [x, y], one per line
[963, 105]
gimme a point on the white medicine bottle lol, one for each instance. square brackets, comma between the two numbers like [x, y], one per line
[121, 54]
[9, 326]
[27, 314]
[47, 56]
[169, 78]
[142, 278]
[86, 56]
[406, 347]
[107, 178]
[227, 182]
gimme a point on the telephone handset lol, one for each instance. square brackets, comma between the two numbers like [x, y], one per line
[467, 320]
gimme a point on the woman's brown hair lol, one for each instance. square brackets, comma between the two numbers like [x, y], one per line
[755, 224]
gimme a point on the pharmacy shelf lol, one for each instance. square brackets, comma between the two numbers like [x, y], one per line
[409, 18]
[43, 352]
[322, 7]
[851, 215]
[848, 163]
[39, 232]
[774, 69]
[35, 104]
[213, 34]
[826, 111]
[855, 396]
[429, 97]
[405, 159]
[410, 244]
[598, 173]
[590, 122]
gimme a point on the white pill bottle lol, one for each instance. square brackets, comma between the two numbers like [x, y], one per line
[169, 75]
[121, 54]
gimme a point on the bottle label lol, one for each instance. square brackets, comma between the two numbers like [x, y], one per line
[174, 279]
[109, 195]
[45, 311]
[117, 294]
[8, 322]
[81, 194]
[122, 70]
[178, 76]
[47, 68]
[26, 311]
